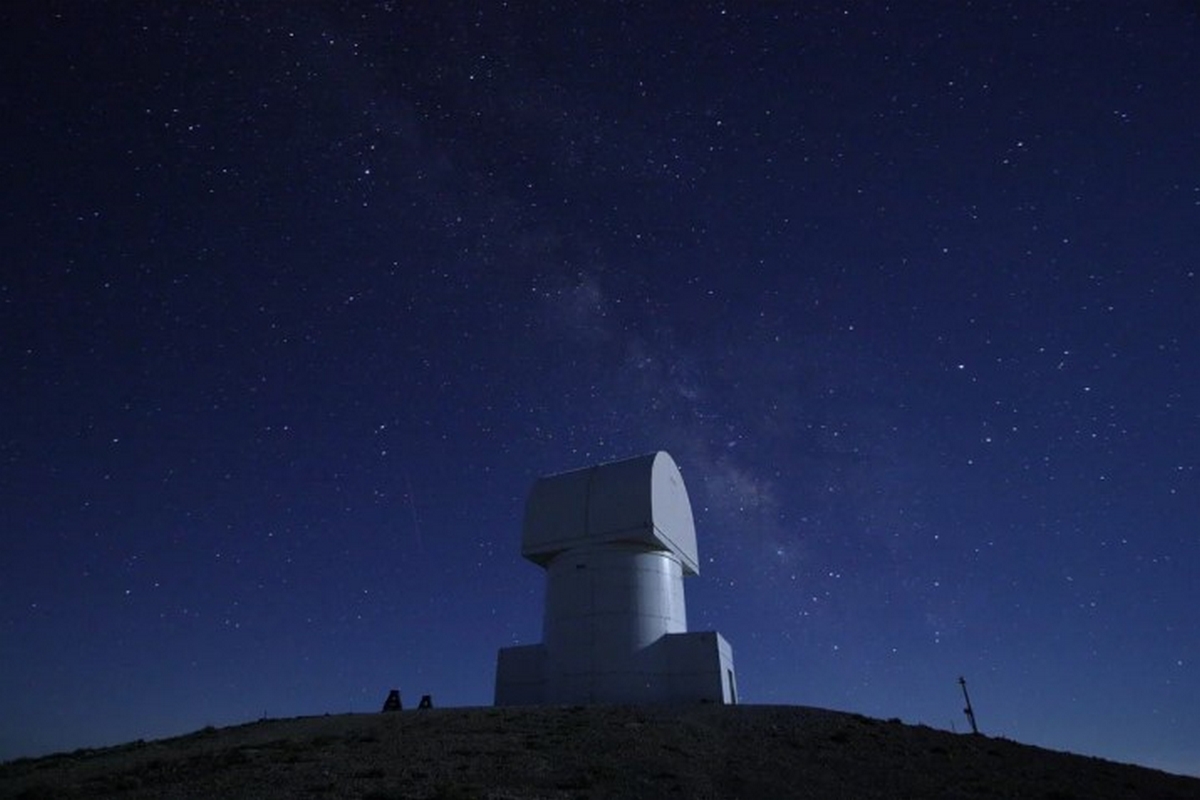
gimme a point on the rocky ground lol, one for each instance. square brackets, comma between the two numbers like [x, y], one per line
[595, 752]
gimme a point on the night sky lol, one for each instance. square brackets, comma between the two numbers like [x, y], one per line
[298, 299]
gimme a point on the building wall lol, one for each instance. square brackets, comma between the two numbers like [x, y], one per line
[521, 676]
[604, 604]
[678, 668]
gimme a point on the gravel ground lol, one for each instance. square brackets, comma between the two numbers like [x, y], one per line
[595, 752]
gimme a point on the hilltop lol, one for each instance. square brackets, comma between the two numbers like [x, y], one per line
[576, 752]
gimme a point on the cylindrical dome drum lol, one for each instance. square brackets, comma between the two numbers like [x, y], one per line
[604, 607]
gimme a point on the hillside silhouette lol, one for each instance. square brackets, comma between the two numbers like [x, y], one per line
[577, 752]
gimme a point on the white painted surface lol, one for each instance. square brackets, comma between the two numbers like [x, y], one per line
[616, 541]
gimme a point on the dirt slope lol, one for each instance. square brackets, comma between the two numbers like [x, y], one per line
[599, 752]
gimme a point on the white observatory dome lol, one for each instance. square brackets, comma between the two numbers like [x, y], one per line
[616, 541]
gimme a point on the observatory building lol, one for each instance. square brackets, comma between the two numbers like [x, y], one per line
[616, 541]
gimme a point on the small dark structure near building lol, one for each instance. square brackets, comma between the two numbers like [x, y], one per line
[969, 710]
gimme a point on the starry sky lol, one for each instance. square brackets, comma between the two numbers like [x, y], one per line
[298, 299]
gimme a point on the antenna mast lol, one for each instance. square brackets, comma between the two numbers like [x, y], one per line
[970, 712]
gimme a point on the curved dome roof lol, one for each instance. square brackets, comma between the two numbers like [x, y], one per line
[639, 500]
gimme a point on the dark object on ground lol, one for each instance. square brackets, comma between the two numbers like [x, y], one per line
[393, 701]
[705, 751]
[426, 701]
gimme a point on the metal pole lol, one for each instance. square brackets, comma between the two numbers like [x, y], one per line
[970, 712]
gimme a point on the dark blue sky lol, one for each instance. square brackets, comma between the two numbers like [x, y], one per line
[297, 300]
